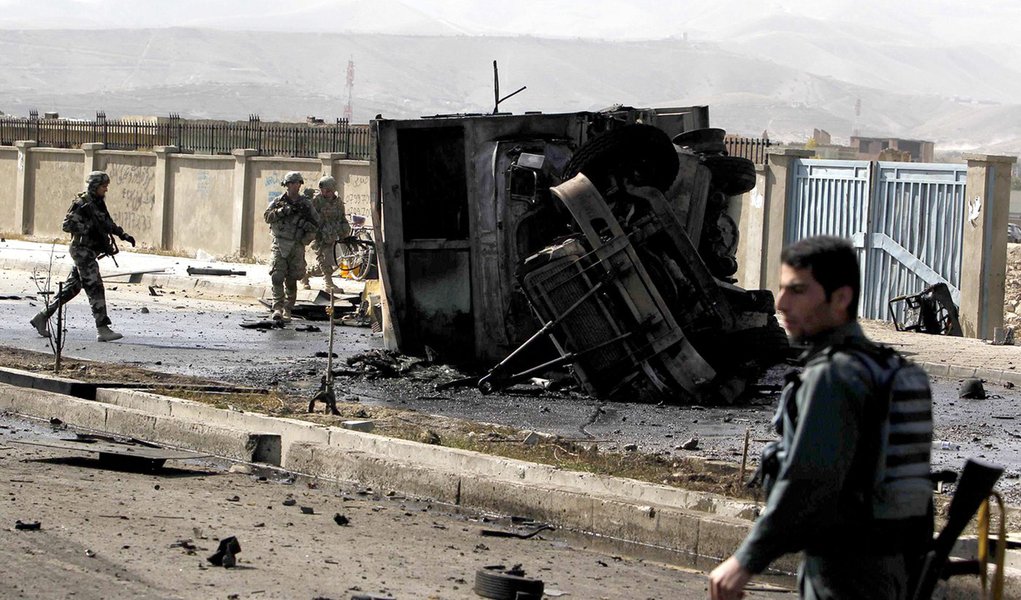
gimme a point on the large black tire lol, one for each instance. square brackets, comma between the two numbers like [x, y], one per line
[703, 141]
[499, 584]
[732, 175]
[633, 149]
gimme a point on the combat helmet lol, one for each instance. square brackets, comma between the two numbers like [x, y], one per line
[972, 388]
[292, 177]
[328, 182]
[96, 179]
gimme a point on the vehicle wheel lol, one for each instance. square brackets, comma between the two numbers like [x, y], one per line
[732, 175]
[642, 153]
[499, 583]
[703, 141]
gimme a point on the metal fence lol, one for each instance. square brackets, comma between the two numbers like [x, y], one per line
[754, 149]
[270, 139]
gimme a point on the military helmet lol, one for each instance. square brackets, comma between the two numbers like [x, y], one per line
[328, 182]
[973, 389]
[96, 179]
[292, 177]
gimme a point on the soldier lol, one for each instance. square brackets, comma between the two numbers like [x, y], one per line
[293, 222]
[333, 227]
[91, 228]
[849, 479]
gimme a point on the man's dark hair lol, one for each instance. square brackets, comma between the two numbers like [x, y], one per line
[833, 263]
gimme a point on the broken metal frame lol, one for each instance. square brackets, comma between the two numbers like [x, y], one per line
[132, 453]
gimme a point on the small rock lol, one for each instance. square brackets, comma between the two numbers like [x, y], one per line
[340, 519]
[690, 444]
[631, 447]
[242, 469]
[143, 310]
[290, 502]
[429, 437]
[308, 510]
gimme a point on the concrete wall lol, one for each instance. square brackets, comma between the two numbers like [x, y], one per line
[132, 191]
[201, 191]
[53, 179]
[166, 199]
[8, 175]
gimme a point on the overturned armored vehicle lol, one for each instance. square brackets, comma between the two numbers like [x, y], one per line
[599, 240]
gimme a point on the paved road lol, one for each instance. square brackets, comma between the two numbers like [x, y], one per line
[117, 534]
[201, 336]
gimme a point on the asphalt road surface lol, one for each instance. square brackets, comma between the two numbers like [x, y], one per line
[107, 533]
[201, 336]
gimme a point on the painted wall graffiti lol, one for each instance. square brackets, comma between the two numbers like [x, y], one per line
[355, 189]
[132, 197]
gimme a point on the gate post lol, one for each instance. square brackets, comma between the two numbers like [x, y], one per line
[24, 200]
[163, 207]
[244, 214]
[984, 245]
[773, 214]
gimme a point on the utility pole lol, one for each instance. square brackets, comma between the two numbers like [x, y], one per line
[350, 87]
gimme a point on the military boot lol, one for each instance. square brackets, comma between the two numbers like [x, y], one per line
[287, 314]
[39, 322]
[105, 334]
[278, 315]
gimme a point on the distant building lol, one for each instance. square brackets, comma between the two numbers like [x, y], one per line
[872, 148]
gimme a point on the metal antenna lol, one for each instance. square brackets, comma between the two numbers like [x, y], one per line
[496, 90]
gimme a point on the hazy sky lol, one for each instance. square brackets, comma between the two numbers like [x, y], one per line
[938, 22]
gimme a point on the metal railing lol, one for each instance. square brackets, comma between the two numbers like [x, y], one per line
[754, 149]
[207, 137]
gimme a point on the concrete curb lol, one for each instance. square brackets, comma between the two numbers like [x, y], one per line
[690, 527]
[688, 524]
[996, 376]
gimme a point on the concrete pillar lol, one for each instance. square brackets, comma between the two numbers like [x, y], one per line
[984, 252]
[24, 199]
[329, 162]
[163, 208]
[91, 158]
[243, 212]
[747, 211]
[774, 210]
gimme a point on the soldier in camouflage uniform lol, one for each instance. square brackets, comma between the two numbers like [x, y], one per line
[293, 222]
[333, 227]
[91, 227]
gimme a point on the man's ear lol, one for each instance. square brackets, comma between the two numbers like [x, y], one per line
[841, 300]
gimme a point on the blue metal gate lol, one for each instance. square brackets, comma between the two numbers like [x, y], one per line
[905, 219]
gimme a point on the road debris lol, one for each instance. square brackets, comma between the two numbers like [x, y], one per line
[500, 583]
[341, 520]
[972, 389]
[512, 534]
[213, 271]
[226, 553]
[27, 525]
[308, 510]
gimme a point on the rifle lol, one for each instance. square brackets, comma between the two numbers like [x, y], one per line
[976, 482]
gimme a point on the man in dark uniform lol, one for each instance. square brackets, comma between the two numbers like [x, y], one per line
[90, 225]
[852, 488]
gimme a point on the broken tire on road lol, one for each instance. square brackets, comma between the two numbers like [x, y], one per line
[499, 583]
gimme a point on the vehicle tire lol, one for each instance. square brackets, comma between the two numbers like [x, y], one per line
[642, 150]
[732, 175]
[498, 583]
[703, 141]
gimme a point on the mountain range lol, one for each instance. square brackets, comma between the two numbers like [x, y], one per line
[781, 74]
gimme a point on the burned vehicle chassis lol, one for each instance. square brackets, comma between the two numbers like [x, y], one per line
[617, 239]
